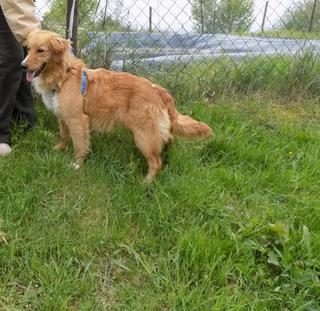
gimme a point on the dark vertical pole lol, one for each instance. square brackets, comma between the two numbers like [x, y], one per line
[312, 15]
[264, 16]
[105, 14]
[69, 7]
[72, 30]
[214, 17]
[75, 27]
[201, 13]
[150, 19]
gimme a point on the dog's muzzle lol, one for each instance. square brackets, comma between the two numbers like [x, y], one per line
[31, 74]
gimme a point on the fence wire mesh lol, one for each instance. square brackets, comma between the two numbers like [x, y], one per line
[155, 34]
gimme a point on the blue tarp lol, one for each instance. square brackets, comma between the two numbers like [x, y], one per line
[165, 48]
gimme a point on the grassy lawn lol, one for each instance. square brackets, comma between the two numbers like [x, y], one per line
[230, 224]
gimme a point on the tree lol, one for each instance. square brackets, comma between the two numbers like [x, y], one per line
[57, 15]
[298, 17]
[91, 16]
[222, 16]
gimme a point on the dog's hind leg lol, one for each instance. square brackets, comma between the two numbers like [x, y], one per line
[79, 132]
[150, 145]
[64, 136]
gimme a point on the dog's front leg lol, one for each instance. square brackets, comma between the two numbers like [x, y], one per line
[79, 132]
[64, 136]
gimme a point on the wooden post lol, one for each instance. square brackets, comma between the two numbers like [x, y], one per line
[264, 16]
[201, 13]
[312, 15]
[73, 23]
[150, 19]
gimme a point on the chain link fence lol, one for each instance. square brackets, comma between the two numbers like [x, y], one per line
[155, 34]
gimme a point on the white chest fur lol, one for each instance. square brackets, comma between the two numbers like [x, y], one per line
[50, 97]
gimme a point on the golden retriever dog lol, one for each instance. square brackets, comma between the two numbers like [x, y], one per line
[84, 99]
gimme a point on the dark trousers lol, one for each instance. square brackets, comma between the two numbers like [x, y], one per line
[15, 92]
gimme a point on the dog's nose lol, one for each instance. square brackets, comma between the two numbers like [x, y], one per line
[23, 66]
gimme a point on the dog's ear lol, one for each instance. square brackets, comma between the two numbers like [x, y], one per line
[58, 46]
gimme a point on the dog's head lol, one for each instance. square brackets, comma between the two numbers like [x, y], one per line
[44, 47]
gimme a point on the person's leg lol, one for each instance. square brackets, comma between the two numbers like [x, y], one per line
[11, 56]
[24, 108]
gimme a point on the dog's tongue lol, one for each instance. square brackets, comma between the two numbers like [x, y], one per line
[30, 75]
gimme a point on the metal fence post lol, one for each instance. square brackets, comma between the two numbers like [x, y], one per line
[73, 23]
[201, 13]
[105, 14]
[264, 16]
[312, 16]
[150, 19]
[214, 16]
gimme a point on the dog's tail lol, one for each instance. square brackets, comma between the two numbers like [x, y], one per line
[182, 125]
[190, 128]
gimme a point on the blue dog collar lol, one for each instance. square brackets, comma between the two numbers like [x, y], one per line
[84, 83]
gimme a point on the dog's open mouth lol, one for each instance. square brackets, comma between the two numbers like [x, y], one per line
[33, 74]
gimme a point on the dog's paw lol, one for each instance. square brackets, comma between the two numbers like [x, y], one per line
[148, 180]
[60, 147]
[75, 165]
[48, 134]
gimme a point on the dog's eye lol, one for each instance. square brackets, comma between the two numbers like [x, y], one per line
[40, 50]
[28, 49]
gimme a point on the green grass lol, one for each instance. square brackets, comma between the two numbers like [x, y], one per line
[231, 223]
[282, 76]
[278, 77]
[287, 34]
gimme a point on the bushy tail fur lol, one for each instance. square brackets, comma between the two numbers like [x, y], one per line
[182, 125]
[190, 128]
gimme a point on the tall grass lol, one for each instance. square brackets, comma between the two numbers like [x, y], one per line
[279, 76]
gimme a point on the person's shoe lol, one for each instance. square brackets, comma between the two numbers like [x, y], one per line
[5, 149]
